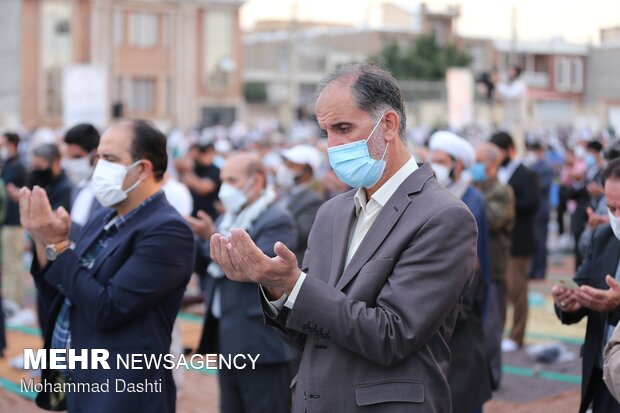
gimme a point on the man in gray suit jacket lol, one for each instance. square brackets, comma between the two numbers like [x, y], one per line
[374, 303]
[296, 175]
[233, 321]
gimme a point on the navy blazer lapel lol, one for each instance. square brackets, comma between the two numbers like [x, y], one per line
[387, 218]
[84, 242]
[113, 244]
[121, 235]
[345, 216]
[610, 261]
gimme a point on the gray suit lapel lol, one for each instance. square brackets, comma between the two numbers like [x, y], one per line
[387, 218]
[345, 216]
[390, 213]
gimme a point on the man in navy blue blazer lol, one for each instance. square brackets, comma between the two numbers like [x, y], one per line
[120, 286]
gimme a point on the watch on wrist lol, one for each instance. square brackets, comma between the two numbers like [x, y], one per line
[52, 251]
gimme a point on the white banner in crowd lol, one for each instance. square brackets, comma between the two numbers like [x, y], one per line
[460, 86]
[84, 96]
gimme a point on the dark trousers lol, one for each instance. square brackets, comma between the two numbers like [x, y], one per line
[602, 400]
[561, 209]
[493, 330]
[265, 389]
[538, 266]
[578, 257]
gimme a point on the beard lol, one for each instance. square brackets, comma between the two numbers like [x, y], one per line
[377, 147]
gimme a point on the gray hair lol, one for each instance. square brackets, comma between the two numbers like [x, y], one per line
[493, 154]
[47, 151]
[375, 90]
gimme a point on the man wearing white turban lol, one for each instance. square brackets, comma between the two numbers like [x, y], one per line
[451, 156]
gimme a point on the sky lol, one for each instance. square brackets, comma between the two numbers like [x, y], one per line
[577, 21]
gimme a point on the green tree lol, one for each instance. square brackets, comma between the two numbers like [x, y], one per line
[425, 59]
[255, 92]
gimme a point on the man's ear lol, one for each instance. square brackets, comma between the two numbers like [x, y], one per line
[261, 180]
[391, 123]
[147, 169]
[459, 166]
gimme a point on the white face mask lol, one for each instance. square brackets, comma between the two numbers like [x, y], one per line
[285, 178]
[614, 221]
[580, 151]
[232, 198]
[78, 169]
[108, 182]
[530, 159]
[4, 153]
[442, 173]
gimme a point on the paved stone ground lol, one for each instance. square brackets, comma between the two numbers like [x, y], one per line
[527, 387]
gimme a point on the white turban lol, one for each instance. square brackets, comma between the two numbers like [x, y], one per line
[453, 145]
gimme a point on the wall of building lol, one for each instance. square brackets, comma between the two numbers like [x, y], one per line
[9, 63]
[602, 80]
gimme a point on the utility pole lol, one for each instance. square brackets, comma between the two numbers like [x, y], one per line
[513, 38]
[289, 113]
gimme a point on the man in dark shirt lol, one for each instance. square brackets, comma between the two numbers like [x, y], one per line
[14, 176]
[204, 183]
[203, 180]
[49, 175]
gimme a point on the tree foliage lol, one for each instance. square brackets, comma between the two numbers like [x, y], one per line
[255, 92]
[425, 59]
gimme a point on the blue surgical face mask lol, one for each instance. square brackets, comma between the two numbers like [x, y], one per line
[590, 160]
[354, 166]
[478, 172]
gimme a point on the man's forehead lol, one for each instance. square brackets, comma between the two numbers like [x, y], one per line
[234, 166]
[335, 93]
[612, 190]
[117, 137]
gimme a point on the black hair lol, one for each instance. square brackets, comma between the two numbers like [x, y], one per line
[502, 140]
[149, 143]
[12, 138]
[611, 171]
[613, 151]
[206, 148]
[595, 146]
[534, 146]
[84, 135]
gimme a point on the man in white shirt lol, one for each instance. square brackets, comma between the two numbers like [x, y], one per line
[514, 95]
[374, 303]
[80, 157]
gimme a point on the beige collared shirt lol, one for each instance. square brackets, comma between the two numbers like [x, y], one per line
[367, 211]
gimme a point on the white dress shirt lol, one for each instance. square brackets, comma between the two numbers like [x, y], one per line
[505, 172]
[80, 211]
[366, 212]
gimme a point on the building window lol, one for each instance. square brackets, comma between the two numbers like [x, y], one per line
[577, 75]
[169, 96]
[143, 30]
[143, 95]
[540, 64]
[119, 89]
[166, 30]
[218, 39]
[57, 53]
[119, 27]
[562, 74]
